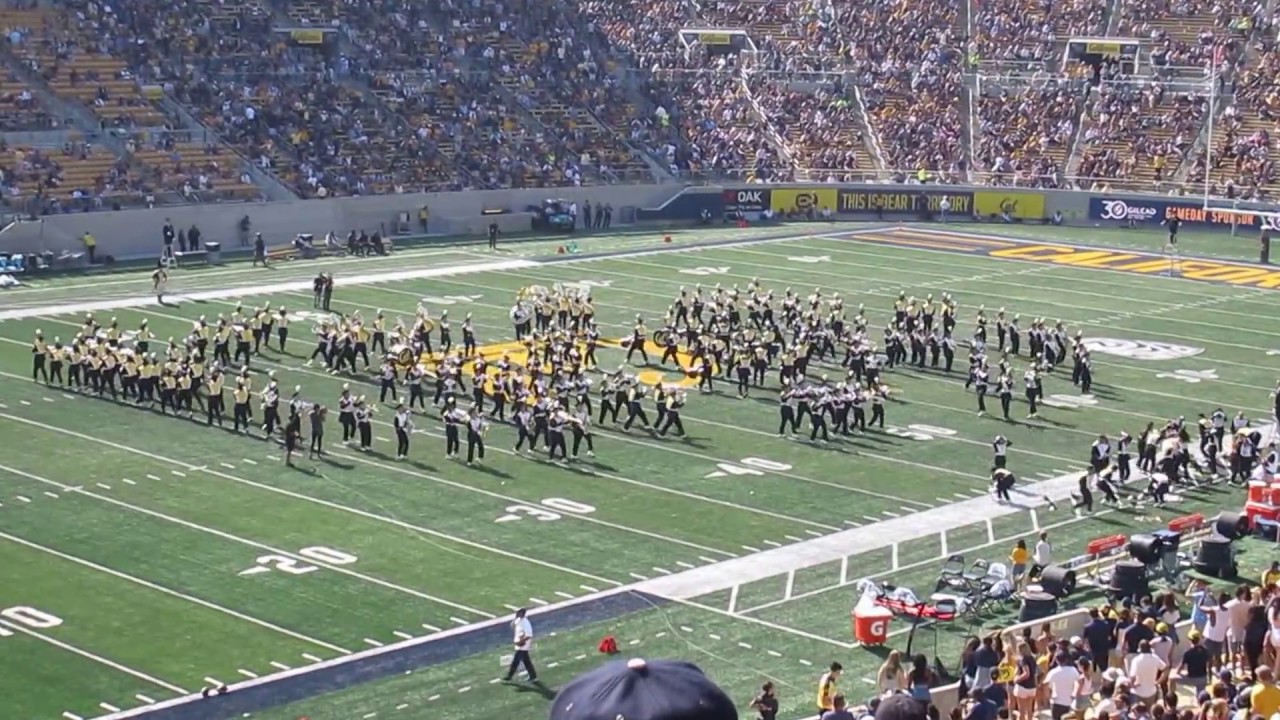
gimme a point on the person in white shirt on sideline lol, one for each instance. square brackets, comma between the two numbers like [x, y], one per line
[1062, 682]
[1041, 556]
[523, 642]
[1146, 672]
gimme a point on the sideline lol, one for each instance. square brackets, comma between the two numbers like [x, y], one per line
[141, 301]
[332, 675]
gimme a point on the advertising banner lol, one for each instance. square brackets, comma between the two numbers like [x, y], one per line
[786, 200]
[1112, 49]
[746, 201]
[1157, 211]
[1019, 204]
[904, 202]
[307, 37]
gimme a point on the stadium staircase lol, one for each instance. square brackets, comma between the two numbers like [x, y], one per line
[560, 113]
[422, 105]
[101, 102]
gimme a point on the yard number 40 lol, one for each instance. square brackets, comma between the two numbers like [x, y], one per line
[748, 466]
[27, 617]
[293, 566]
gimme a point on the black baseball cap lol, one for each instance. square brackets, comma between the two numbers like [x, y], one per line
[643, 690]
[902, 707]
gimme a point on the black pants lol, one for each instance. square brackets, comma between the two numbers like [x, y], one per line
[402, 442]
[522, 658]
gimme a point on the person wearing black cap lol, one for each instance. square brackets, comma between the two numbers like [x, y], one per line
[523, 642]
[643, 690]
[902, 707]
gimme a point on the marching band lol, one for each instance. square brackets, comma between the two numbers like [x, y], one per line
[550, 394]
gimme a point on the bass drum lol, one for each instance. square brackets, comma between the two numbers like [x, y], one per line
[660, 337]
[402, 354]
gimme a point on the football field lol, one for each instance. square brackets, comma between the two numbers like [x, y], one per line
[147, 556]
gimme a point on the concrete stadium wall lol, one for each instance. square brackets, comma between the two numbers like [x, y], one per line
[136, 233]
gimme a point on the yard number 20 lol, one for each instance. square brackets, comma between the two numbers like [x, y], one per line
[293, 566]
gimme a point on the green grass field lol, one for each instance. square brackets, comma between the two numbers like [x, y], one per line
[147, 556]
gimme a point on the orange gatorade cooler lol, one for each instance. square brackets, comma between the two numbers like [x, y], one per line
[871, 623]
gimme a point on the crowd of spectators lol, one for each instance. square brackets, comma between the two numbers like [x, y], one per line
[398, 96]
[1029, 31]
[1138, 132]
[1025, 132]
[820, 127]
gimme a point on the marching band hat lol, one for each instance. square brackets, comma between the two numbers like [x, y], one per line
[643, 690]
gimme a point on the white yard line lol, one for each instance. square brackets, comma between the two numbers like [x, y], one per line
[161, 589]
[352, 510]
[292, 286]
[243, 541]
[19, 627]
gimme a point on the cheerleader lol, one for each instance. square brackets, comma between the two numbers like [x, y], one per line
[318, 415]
[403, 423]
[364, 423]
[477, 428]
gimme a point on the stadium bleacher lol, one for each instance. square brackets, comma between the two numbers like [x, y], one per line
[374, 96]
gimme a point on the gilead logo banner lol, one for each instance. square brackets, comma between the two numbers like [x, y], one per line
[1191, 214]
